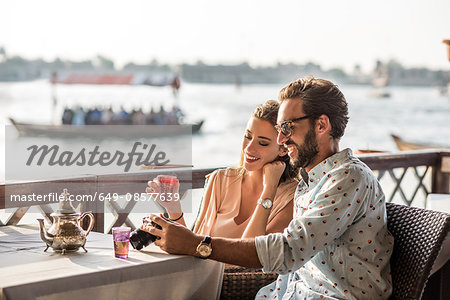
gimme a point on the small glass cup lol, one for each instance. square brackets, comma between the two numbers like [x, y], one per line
[121, 238]
[167, 184]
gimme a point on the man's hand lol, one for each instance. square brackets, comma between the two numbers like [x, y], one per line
[173, 237]
[177, 239]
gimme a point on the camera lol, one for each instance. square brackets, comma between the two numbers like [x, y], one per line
[140, 239]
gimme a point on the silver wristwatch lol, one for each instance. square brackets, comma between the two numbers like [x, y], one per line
[266, 203]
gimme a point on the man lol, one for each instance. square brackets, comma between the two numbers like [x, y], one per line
[337, 245]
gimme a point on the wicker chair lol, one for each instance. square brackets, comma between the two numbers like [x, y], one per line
[418, 233]
[244, 283]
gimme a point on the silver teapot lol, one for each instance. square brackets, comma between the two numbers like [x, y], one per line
[66, 234]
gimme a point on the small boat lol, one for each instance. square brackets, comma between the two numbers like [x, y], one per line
[368, 151]
[105, 131]
[380, 94]
[406, 146]
[380, 81]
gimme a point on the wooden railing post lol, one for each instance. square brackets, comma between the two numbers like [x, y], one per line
[97, 207]
[441, 175]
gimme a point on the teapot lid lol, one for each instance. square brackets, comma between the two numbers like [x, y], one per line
[65, 205]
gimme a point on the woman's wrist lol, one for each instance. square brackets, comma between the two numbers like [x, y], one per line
[269, 192]
[173, 208]
[173, 216]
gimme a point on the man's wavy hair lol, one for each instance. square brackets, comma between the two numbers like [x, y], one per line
[319, 97]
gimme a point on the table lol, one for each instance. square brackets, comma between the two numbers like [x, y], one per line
[439, 202]
[27, 272]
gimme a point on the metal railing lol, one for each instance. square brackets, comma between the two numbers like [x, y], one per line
[406, 177]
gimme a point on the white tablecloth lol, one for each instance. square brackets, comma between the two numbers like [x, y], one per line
[439, 202]
[26, 272]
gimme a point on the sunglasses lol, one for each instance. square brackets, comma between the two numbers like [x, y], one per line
[286, 127]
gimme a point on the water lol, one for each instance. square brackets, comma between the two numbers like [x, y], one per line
[417, 114]
[413, 113]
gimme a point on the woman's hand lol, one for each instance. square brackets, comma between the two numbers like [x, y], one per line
[258, 222]
[272, 173]
[169, 198]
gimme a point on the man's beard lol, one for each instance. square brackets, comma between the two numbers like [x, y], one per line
[306, 152]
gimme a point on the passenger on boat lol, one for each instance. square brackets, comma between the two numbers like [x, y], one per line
[150, 118]
[93, 117]
[97, 116]
[79, 116]
[123, 117]
[229, 207]
[138, 117]
[67, 116]
[337, 246]
[107, 116]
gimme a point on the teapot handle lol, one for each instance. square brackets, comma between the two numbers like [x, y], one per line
[91, 222]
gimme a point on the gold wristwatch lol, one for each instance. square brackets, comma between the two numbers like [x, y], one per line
[204, 249]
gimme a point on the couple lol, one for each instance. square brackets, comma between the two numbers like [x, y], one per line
[229, 206]
[337, 245]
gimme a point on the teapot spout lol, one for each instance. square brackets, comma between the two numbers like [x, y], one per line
[44, 235]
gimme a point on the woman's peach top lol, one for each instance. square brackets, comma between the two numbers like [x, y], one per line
[222, 201]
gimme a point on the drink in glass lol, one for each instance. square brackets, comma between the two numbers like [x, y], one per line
[168, 187]
[121, 238]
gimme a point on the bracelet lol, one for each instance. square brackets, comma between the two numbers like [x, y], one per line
[166, 215]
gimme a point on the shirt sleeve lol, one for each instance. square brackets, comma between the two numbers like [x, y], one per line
[329, 210]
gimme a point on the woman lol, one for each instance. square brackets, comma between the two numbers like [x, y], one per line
[230, 206]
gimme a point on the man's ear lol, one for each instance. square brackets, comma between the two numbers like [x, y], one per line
[323, 124]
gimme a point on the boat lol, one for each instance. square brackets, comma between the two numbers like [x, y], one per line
[105, 131]
[368, 151]
[380, 81]
[380, 94]
[406, 145]
[162, 79]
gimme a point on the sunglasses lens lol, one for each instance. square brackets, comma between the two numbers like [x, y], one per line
[285, 129]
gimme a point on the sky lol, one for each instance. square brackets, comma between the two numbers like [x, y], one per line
[328, 32]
